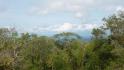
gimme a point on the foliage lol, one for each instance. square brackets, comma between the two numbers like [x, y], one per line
[65, 51]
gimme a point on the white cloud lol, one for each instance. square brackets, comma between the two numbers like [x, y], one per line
[44, 7]
[9, 27]
[65, 27]
[77, 7]
[78, 15]
[115, 9]
[119, 8]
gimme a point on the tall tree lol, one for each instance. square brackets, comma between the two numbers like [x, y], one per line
[115, 24]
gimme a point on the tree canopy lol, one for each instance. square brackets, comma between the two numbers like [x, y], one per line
[65, 51]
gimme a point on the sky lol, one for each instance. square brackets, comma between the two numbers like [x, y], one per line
[48, 17]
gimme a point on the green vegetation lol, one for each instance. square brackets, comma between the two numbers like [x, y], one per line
[65, 51]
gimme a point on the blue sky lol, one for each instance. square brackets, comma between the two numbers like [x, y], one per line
[54, 16]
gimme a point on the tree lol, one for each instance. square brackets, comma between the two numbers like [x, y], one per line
[97, 55]
[35, 54]
[115, 24]
[98, 33]
[63, 38]
[6, 49]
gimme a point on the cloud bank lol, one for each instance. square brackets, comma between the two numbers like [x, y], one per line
[65, 27]
[79, 8]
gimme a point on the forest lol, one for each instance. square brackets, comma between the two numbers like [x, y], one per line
[65, 51]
